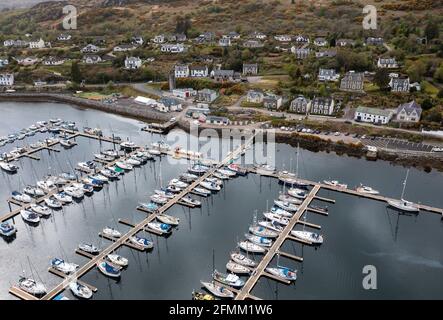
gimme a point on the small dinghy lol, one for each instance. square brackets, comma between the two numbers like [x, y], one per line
[143, 242]
[165, 194]
[243, 260]
[119, 171]
[228, 279]
[10, 168]
[201, 191]
[40, 210]
[162, 228]
[62, 266]
[178, 183]
[111, 232]
[237, 268]
[210, 186]
[124, 165]
[261, 241]
[21, 197]
[164, 218]
[29, 216]
[367, 190]
[117, 260]
[151, 207]
[283, 273]
[89, 248]
[7, 229]
[74, 192]
[251, 247]
[31, 286]
[189, 200]
[53, 203]
[188, 177]
[80, 290]
[313, 237]
[63, 197]
[33, 191]
[286, 205]
[297, 193]
[276, 218]
[66, 143]
[217, 290]
[159, 199]
[108, 270]
[288, 198]
[335, 183]
[263, 232]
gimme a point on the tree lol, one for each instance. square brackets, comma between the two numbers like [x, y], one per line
[183, 25]
[440, 94]
[381, 78]
[427, 104]
[438, 75]
[76, 75]
[432, 30]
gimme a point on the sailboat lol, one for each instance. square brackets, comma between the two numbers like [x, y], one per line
[228, 279]
[10, 168]
[31, 286]
[108, 269]
[403, 204]
[63, 266]
[80, 290]
[291, 179]
[7, 229]
[237, 268]
[366, 190]
[217, 290]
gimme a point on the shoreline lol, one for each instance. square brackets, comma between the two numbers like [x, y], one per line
[422, 161]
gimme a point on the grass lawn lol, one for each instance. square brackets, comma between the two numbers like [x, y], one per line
[91, 95]
[429, 88]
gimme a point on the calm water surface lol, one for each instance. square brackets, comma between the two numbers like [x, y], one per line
[405, 249]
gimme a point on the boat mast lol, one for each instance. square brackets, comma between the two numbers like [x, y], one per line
[296, 165]
[404, 184]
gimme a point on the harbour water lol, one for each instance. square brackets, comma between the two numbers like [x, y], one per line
[405, 249]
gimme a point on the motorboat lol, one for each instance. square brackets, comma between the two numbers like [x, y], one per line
[96, 184]
[283, 273]
[133, 162]
[158, 199]
[65, 267]
[276, 218]
[201, 191]
[31, 286]
[29, 216]
[198, 169]
[366, 190]
[178, 183]
[265, 170]
[227, 172]
[217, 290]
[88, 166]
[108, 269]
[150, 207]
[40, 210]
[188, 177]
[118, 171]
[164, 218]
[237, 268]
[110, 153]
[57, 180]
[261, 241]
[230, 279]
[103, 157]
[164, 193]
[160, 145]
[263, 232]
[67, 176]
[99, 177]
[162, 228]
[243, 260]
[7, 229]
[53, 203]
[214, 181]
[86, 188]
[288, 198]
[191, 201]
[154, 152]
[335, 183]
[110, 174]
[220, 175]
[128, 146]
[74, 192]
[111, 232]
[21, 197]
[124, 165]
[210, 186]
[67, 143]
[312, 237]
[143, 242]
[251, 247]
[63, 197]
[173, 189]
[117, 260]
[89, 248]
[8, 167]
[33, 191]
[286, 205]
[297, 193]
[46, 185]
[80, 290]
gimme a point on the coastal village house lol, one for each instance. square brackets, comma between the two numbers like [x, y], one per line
[352, 81]
[171, 104]
[92, 59]
[301, 39]
[3, 62]
[206, 95]
[283, 38]
[301, 53]
[371, 41]
[255, 96]
[138, 40]
[372, 115]
[224, 42]
[124, 47]
[132, 63]
[172, 48]
[181, 71]
[300, 105]
[90, 48]
[320, 42]
[6, 79]
[222, 121]
[253, 44]
[327, 75]
[198, 71]
[398, 84]
[53, 61]
[409, 112]
[64, 37]
[250, 69]
[184, 93]
[388, 63]
[16, 43]
[225, 75]
[259, 35]
[326, 53]
[27, 61]
[322, 106]
[37, 44]
[159, 38]
[272, 102]
[345, 43]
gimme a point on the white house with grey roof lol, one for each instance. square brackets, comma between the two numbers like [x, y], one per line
[198, 71]
[372, 115]
[352, 81]
[409, 112]
[398, 84]
[6, 79]
[132, 63]
[181, 71]
[327, 75]
[388, 63]
[255, 96]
